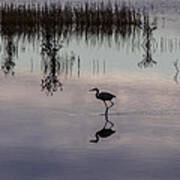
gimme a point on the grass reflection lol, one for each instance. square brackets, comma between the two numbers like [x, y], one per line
[149, 43]
[10, 50]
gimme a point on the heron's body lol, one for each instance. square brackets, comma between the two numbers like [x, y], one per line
[104, 96]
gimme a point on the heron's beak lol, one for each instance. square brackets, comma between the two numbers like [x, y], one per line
[91, 90]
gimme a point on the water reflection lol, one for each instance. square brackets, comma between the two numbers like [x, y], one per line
[177, 71]
[98, 67]
[50, 60]
[107, 130]
[44, 26]
[79, 67]
[149, 43]
[8, 63]
[89, 19]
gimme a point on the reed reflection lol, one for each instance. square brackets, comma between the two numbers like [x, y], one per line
[54, 62]
[177, 71]
[50, 60]
[94, 21]
[107, 129]
[8, 63]
[149, 43]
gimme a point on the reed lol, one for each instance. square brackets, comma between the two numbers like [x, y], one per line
[32, 18]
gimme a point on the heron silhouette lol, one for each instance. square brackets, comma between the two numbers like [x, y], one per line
[104, 96]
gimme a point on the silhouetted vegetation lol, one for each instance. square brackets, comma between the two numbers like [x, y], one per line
[52, 62]
[148, 43]
[92, 22]
[86, 14]
[50, 58]
[94, 18]
[176, 66]
[8, 62]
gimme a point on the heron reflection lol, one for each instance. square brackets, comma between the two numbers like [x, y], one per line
[107, 129]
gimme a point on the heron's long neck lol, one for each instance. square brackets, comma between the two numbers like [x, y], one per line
[97, 137]
[97, 93]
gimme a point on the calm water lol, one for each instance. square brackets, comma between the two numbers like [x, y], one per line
[48, 116]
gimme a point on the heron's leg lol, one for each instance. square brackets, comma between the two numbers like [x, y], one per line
[107, 118]
[106, 114]
[112, 104]
[105, 104]
[108, 122]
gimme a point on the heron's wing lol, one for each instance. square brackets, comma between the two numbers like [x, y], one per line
[106, 95]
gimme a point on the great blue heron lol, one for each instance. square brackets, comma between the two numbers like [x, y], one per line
[104, 96]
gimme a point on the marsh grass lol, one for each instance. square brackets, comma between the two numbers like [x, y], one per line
[49, 23]
[93, 17]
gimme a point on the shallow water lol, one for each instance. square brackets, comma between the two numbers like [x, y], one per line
[44, 136]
